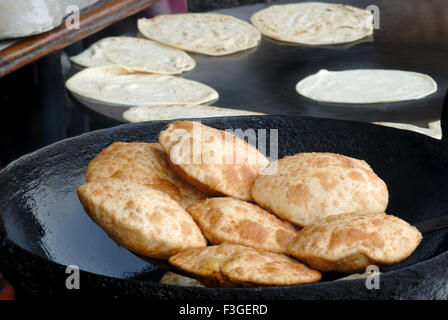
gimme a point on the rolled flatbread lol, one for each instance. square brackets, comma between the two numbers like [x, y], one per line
[314, 23]
[364, 86]
[117, 85]
[207, 33]
[136, 54]
[180, 111]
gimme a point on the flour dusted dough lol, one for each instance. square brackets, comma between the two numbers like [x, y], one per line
[366, 86]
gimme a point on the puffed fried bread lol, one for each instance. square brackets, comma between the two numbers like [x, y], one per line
[226, 219]
[214, 161]
[145, 163]
[231, 265]
[140, 218]
[310, 186]
[350, 242]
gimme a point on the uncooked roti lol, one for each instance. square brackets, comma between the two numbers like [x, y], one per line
[207, 33]
[366, 86]
[314, 23]
[117, 85]
[135, 54]
[180, 111]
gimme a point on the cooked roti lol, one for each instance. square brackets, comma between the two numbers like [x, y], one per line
[214, 161]
[366, 86]
[230, 265]
[180, 111]
[140, 218]
[139, 55]
[312, 186]
[207, 33]
[118, 85]
[314, 23]
[352, 241]
[175, 279]
[231, 220]
[144, 163]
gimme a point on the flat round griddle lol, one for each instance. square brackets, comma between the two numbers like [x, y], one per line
[43, 227]
[411, 37]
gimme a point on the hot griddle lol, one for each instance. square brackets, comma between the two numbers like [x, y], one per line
[412, 36]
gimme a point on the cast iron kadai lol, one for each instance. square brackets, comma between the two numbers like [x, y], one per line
[43, 227]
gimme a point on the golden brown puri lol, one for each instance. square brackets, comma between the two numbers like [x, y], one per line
[351, 241]
[235, 221]
[140, 218]
[311, 186]
[145, 163]
[214, 161]
[175, 279]
[231, 265]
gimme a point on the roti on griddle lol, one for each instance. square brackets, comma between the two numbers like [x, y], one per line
[138, 55]
[117, 85]
[181, 111]
[314, 23]
[207, 33]
[366, 86]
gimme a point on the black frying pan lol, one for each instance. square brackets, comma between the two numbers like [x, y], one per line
[43, 227]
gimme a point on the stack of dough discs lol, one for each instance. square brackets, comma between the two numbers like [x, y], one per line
[144, 163]
[180, 111]
[140, 218]
[116, 84]
[314, 23]
[207, 33]
[310, 186]
[366, 86]
[352, 241]
[230, 265]
[215, 161]
[139, 55]
[231, 220]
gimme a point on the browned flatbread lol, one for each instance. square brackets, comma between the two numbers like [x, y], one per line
[145, 163]
[352, 241]
[214, 161]
[235, 221]
[139, 218]
[311, 186]
[231, 265]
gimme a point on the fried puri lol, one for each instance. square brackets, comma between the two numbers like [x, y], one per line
[230, 265]
[214, 161]
[235, 221]
[175, 279]
[145, 163]
[310, 186]
[352, 241]
[140, 218]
